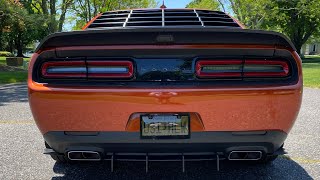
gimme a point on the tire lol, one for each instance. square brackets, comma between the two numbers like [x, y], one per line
[57, 157]
[60, 158]
[268, 159]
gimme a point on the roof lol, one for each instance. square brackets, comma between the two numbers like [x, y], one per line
[145, 18]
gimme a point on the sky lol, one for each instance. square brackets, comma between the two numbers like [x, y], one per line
[175, 3]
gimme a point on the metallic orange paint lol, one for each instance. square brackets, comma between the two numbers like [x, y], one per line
[91, 21]
[222, 108]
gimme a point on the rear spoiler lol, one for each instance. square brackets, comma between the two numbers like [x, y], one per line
[154, 36]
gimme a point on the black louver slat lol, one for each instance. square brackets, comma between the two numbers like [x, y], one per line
[163, 18]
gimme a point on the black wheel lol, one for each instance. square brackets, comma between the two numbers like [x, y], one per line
[57, 157]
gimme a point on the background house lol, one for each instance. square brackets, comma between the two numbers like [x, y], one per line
[310, 49]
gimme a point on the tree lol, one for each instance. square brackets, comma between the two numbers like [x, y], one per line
[20, 27]
[53, 10]
[4, 22]
[207, 4]
[298, 19]
[24, 29]
[251, 13]
[85, 10]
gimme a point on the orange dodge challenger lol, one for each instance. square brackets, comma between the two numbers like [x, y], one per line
[153, 84]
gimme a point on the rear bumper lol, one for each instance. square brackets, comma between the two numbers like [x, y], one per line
[130, 142]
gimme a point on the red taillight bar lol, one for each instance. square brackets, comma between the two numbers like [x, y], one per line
[221, 64]
[242, 68]
[271, 68]
[91, 69]
[64, 65]
[112, 66]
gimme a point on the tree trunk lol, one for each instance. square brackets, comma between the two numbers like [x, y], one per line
[297, 41]
[1, 40]
[19, 44]
[222, 5]
[63, 15]
[20, 51]
[65, 7]
[298, 38]
[44, 7]
[298, 46]
[11, 47]
[53, 22]
[61, 21]
[89, 10]
[95, 12]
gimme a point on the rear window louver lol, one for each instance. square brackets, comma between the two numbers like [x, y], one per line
[163, 18]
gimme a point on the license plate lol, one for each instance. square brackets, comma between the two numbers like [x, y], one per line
[157, 126]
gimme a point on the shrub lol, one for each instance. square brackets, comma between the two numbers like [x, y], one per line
[6, 54]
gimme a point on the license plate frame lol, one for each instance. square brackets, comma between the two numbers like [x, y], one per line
[182, 131]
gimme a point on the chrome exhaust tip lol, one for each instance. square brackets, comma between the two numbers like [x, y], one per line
[84, 156]
[245, 155]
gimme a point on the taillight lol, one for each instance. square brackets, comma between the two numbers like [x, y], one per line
[64, 69]
[265, 68]
[110, 69]
[89, 69]
[257, 68]
[218, 68]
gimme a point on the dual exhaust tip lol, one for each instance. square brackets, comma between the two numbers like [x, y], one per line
[245, 155]
[84, 156]
[95, 156]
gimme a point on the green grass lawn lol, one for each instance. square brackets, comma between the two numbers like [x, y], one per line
[3, 60]
[311, 71]
[13, 77]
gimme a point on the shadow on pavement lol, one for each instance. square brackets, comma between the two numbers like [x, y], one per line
[13, 93]
[280, 169]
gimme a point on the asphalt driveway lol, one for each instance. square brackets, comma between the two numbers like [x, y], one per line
[21, 147]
